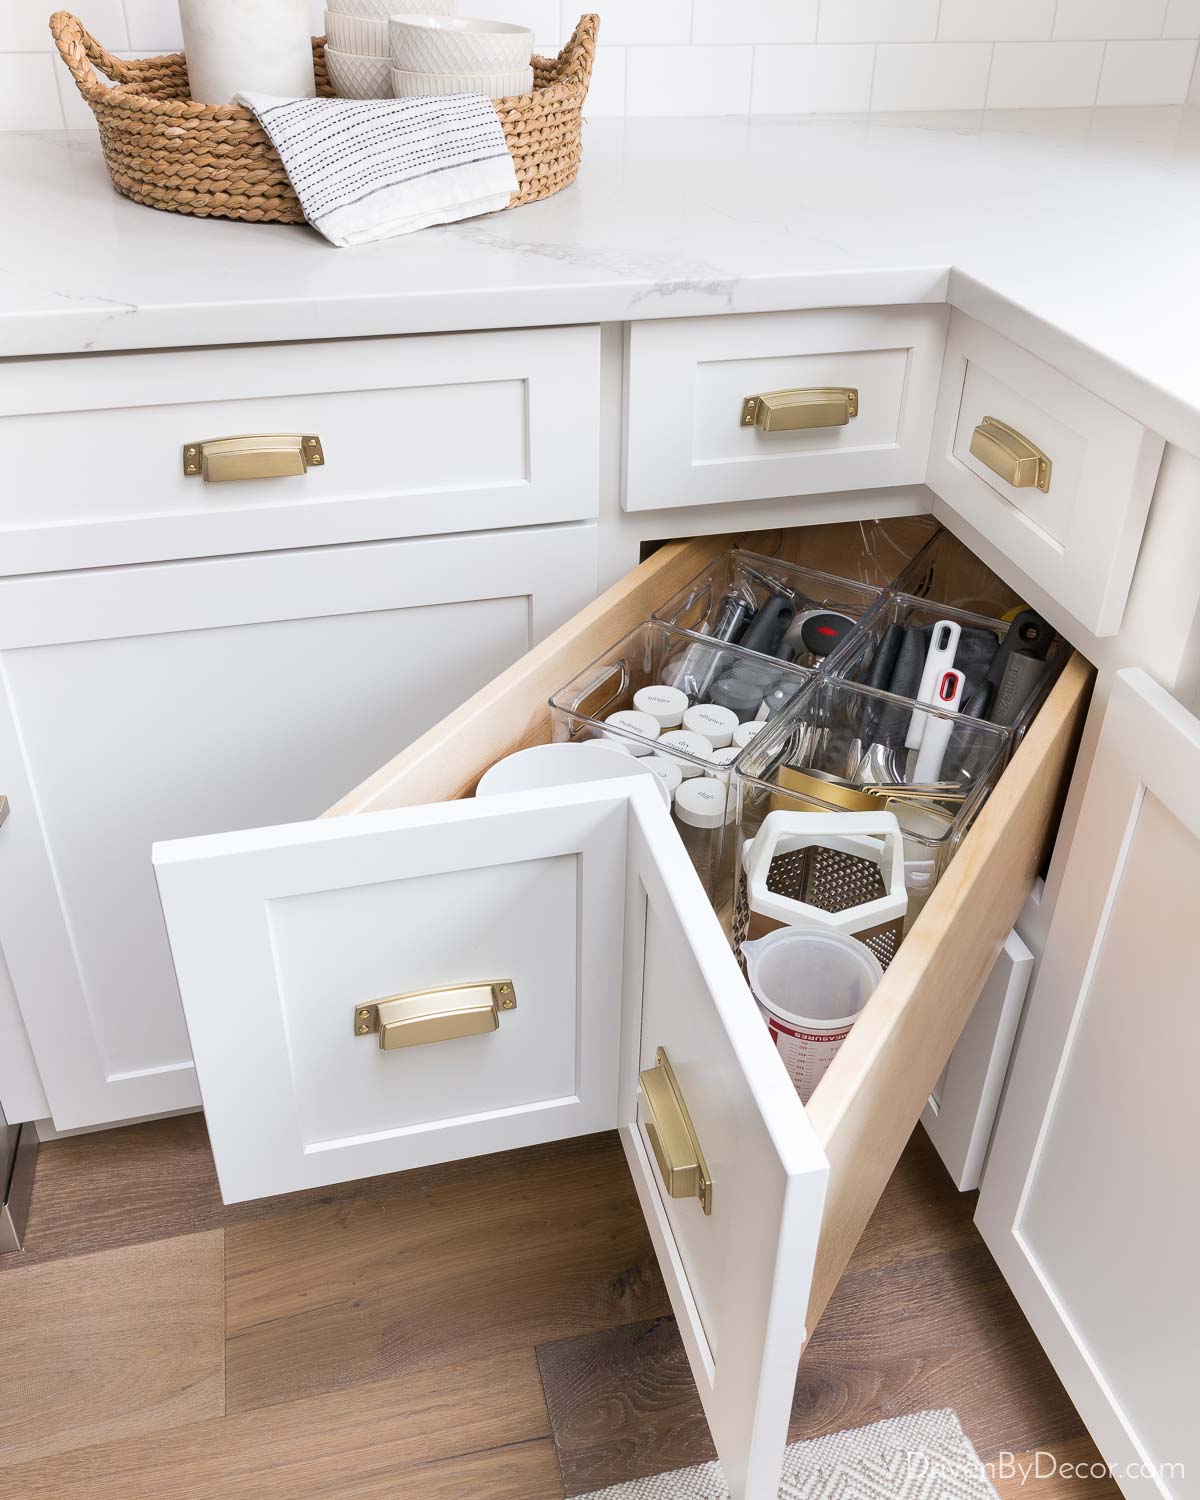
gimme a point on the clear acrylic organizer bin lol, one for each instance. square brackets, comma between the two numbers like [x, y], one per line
[700, 606]
[840, 748]
[655, 655]
[946, 572]
[869, 655]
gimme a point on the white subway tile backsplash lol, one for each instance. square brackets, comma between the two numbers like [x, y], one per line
[806, 80]
[1040, 75]
[631, 22]
[989, 21]
[1076, 20]
[1183, 19]
[878, 20]
[688, 81]
[754, 21]
[153, 26]
[606, 92]
[686, 57]
[541, 16]
[1156, 72]
[933, 75]
[28, 92]
[27, 23]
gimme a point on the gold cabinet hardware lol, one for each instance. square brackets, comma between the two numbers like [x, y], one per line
[672, 1137]
[262, 455]
[3, 808]
[785, 411]
[1010, 454]
[435, 1015]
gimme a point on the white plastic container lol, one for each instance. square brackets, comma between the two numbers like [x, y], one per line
[632, 722]
[810, 987]
[715, 723]
[684, 740]
[666, 704]
[744, 733]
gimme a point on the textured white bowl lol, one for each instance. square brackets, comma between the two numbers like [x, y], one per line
[407, 85]
[382, 9]
[458, 44]
[355, 77]
[365, 35]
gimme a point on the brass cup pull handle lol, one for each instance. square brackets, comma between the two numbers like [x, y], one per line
[672, 1137]
[1011, 455]
[788, 411]
[435, 1015]
[261, 455]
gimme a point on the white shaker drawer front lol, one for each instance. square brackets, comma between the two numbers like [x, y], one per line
[1053, 478]
[755, 406]
[420, 435]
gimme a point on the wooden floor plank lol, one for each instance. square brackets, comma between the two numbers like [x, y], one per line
[460, 1429]
[941, 1331]
[118, 1344]
[921, 1319]
[1064, 1471]
[505, 1252]
[623, 1405]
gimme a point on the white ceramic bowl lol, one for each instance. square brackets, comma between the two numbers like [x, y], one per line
[458, 44]
[406, 85]
[365, 35]
[355, 77]
[564, 764]
[380, 10]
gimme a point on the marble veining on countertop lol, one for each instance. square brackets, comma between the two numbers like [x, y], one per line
[1075, 231]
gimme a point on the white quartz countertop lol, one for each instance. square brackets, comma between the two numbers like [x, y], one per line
[1075, 232]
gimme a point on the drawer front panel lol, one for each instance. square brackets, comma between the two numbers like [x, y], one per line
[420, 435]
[689, 442]
[1078, 538]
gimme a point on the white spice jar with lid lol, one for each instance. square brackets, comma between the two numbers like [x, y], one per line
[666, 704]
[702, 811]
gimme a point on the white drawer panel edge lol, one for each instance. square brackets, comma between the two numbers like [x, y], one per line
[648, 967]
[1079, 542]
[686, 377]
[422, 435]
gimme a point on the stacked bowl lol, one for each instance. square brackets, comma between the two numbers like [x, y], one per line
[357, 50]
[443, 54]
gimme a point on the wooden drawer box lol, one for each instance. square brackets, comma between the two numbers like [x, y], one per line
[1077, 536]
[687, 440]
[585, 899]
[422, 435]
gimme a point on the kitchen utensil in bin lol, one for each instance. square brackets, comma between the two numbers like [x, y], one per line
[839, 872]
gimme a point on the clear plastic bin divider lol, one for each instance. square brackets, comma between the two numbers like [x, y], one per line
[753, 579]
[887, 649]
[839, 747]
[655, 654]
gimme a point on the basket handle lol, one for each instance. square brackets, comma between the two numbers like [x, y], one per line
[79, 50]
[581, 49]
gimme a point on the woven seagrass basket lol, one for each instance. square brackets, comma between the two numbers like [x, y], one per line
[163, 150]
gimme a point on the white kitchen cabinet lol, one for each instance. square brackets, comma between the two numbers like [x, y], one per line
[458, 432]
[690, 440]
[584, 903]
[1090, 1200]
[157, 701]
[1071, 515]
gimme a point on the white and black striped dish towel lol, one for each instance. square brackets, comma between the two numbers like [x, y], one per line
[368, 169]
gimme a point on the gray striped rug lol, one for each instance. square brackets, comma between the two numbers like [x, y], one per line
[923, 1457]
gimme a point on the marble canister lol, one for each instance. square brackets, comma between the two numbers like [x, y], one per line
[259, 45]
